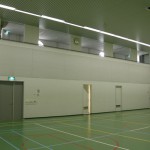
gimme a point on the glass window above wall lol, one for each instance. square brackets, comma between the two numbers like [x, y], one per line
[68, 41]
[12, 31]
[91, 46]
[121, 52]
[53, 38]
[144, 57]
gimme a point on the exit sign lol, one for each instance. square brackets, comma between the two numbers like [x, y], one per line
[11, 78]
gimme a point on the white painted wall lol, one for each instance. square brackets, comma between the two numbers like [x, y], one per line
[103, 97]
[59, 75]
[56, 97]
[134, 96]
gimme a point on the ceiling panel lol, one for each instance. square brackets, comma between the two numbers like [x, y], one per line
[128, 18]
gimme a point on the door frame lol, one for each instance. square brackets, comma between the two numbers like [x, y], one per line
[118, 107]
[87, 88]
[13, 97]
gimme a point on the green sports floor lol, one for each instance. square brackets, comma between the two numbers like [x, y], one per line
[128, 130]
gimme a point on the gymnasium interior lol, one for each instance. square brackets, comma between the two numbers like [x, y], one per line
[74, 75]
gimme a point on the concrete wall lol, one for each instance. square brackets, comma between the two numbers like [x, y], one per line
[53, 80]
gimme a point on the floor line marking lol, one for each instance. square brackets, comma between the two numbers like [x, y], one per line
[124, 115]
[87, 128]
[46, 121]
[9, 143]
[144, 133]
[118, 134]
[122, 121]
[75, 141]
[16, 124]
[110, 116]
[139, 129]
[35, 148]
[79, 136]
[31, 140]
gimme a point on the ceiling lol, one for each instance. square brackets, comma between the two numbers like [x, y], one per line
[127, 18]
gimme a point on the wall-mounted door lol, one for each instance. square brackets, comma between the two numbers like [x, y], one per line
[118, 98]
[6, 101]
[87, 98]
[11, 100]
[18, 100]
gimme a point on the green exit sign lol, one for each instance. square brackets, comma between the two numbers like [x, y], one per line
[11, 78]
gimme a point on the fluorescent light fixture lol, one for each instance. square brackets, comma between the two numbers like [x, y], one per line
[116, 36]
[138, 58]
[75, 25]
[40, 43]
[91, 29]
[28, 13]
[102, 54]
[7, 7]
[54, 19]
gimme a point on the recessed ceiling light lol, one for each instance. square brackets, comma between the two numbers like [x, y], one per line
[40, 43]
[102, 54]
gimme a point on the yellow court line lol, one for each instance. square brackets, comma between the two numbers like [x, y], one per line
[132, 122]
[129, 137]
[46, 121]
[108, 117]
[123, 114]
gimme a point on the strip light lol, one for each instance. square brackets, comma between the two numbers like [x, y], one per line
[116, 36]
[54, 19]
[7, 7]
[28, 13]
[75, 25]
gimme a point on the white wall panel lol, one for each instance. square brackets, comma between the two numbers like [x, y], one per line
[103, 97]
[139, 73]
[56, 98]
[15, 61]
[60, 75]
[34, 61]
[48, 65]
[135, 96]
[77, 68]
[100, 70]
[119, 71]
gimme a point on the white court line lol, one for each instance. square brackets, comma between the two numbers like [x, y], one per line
[9, 143]
[76, 141]
[119, 133]
[36, 148]
[80, 136]
[139, 129]
[31, 140]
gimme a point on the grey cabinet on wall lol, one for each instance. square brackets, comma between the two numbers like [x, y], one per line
[11, 100]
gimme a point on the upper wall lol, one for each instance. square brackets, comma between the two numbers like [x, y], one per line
[27, 60]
